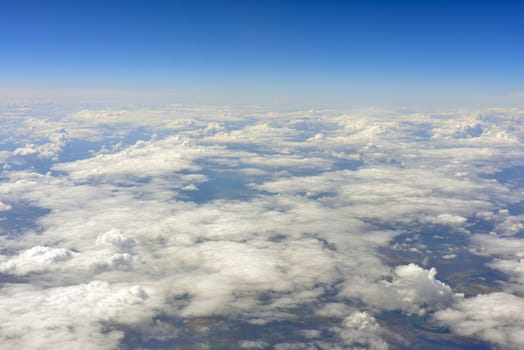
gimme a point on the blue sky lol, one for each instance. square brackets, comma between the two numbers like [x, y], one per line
[333, 51]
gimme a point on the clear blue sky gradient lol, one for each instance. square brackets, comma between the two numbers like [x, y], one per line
[334, 47]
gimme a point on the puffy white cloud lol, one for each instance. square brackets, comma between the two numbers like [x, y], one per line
[34, 318]
[335, 310]
[35, 259]
[190, 187]
[57, 140]
[495, 245]
[496, 317]
[116, 238]
[508, 257]
[412, 289]
[393, 194]
[449, 219]
[510, 226]
[141, 160]
[253, 344]
[4, 206]
[361, 330]
[224, 275]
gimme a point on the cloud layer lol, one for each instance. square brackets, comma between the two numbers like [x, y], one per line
[331, 221]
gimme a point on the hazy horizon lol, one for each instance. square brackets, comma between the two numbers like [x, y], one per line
[339, 53]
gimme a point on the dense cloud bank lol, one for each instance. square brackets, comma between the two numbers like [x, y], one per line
[113, 220]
